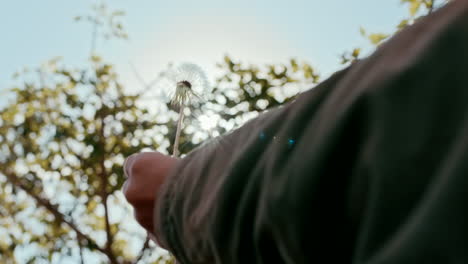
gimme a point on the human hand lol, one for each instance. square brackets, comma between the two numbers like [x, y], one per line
[145, 172]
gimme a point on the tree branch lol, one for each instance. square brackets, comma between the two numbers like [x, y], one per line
[94, 37]
[81, 252]
[431, 4]
[142, 251]
[53, 210]
[146, 86]
[104, 197]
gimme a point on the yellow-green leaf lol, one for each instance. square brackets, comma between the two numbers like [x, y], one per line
[403, 24]
[356, 52]
[376, 38]
[414, 7]
[362, 31]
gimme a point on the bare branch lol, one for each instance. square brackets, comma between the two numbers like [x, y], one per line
[104, 197]
[81, 252]
[146, 86]
[12, 178]
[94, 38]
[430, 4]
[143, 250]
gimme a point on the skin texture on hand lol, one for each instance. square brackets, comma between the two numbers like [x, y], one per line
[146, 172]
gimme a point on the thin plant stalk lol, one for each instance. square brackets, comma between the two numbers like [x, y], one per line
[175, 152]
[187, 79]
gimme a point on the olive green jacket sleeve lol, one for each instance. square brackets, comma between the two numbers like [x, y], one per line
[368, 167]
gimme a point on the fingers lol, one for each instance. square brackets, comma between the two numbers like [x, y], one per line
[144, 216]
[128, 163]
[145, 173]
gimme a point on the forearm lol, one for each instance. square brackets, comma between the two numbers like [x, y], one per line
[209, 182]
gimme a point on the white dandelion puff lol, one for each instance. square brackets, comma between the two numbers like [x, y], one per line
[183, 85]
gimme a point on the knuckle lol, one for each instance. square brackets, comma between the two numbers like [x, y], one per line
[138, 166]
[136, 196]
[144, 218]
[130, 193]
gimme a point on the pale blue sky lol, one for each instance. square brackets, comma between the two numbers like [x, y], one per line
[199, 31]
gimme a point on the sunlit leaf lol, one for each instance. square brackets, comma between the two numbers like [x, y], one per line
[414, 7]
[377, 38]
[362, 31]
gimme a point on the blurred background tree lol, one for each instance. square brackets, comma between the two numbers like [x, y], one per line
[417, 9]
[66, 132]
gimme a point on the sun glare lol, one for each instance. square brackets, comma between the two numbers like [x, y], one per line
[208, 122]
[205, 41]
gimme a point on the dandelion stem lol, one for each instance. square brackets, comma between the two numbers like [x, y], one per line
[175, 152]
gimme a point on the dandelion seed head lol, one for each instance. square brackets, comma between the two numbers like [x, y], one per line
[185, 83]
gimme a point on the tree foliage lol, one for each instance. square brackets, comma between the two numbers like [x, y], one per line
[64, 139]
[417, 9]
